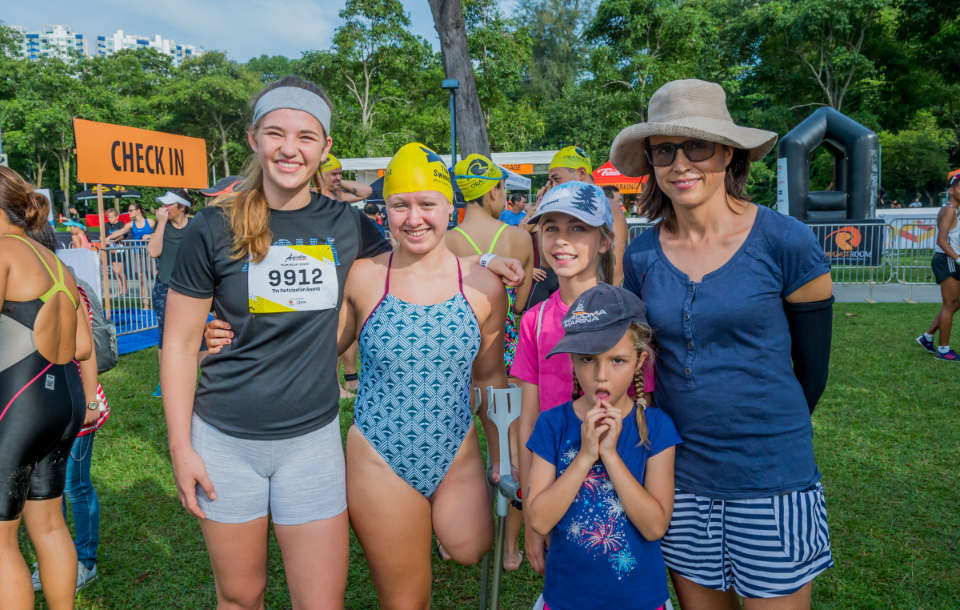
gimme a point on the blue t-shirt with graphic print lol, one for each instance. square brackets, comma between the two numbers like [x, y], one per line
[597, 556]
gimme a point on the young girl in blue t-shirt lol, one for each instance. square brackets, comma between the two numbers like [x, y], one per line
[601, 480]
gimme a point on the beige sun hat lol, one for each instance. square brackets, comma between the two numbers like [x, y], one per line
[692, 108]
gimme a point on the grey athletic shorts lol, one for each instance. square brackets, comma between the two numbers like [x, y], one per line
[295, 480]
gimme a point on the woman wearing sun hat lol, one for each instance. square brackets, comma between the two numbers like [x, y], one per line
[428, 324]
[734, 291]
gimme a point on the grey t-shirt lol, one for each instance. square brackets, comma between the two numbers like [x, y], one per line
[172, 237]
[278, 378]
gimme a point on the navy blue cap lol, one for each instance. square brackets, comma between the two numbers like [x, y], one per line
[598, 319]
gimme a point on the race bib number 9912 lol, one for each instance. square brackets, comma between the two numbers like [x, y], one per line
[293, 278]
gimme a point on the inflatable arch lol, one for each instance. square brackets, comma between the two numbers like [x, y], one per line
[856, 155]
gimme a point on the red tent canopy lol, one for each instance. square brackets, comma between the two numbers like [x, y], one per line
[608, 174]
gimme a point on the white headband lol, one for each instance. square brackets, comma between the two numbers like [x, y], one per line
[294, 98]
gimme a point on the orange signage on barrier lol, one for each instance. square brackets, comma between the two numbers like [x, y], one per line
[117, 154]
[519, 168]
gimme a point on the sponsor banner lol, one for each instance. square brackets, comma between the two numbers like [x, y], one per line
[854, 243]
[518, 168]
[117, 154]
[910, 229]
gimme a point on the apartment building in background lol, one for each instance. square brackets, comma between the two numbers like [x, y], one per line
[60, 41]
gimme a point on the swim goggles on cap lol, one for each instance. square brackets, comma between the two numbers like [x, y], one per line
[330, 164]
[476, 176]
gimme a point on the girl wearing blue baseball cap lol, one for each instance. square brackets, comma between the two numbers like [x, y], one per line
[575, 229]
[601, 478]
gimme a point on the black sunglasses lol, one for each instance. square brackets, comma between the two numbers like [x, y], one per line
[664, 154]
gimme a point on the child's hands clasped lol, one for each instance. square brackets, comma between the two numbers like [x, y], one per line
[592, 430]
[613, 419]
[600, 431]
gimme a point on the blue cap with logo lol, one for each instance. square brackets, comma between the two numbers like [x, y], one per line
[585, 202]
[598, 319]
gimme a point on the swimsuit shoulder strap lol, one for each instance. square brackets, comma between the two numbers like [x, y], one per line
[496, 237]
[460, 278]
[469, 239]
[58, 284]
[386, 283]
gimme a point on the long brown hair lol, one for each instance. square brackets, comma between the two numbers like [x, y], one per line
[655, 204]
[247, 209]
[25, 207]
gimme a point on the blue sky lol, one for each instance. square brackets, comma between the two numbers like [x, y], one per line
[242, 28]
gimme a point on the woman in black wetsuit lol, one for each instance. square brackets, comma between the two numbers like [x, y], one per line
[43, 328]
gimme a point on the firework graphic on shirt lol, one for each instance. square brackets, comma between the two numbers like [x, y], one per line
[600, 521]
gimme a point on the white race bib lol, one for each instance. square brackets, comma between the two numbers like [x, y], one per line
[293, 278]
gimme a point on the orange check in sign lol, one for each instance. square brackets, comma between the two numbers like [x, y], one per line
[116, 154]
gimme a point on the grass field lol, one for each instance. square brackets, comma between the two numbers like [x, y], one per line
[887, 436]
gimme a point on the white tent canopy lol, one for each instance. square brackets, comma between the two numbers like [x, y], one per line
[516, 182]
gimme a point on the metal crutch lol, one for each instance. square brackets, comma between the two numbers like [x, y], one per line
[503, 407]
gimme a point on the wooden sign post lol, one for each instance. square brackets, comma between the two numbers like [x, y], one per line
[116, 154]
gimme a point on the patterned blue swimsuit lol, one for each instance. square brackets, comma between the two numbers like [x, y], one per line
[413, 403]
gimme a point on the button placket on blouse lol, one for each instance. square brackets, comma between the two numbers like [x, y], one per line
[688, 331]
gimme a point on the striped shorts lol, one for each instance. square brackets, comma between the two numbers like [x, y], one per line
[762, 547]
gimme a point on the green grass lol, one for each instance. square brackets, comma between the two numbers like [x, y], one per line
[887, 435]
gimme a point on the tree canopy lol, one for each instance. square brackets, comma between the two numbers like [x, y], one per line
[553, 73]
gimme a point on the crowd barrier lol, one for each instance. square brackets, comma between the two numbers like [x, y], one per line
[883, 251]
[877, 251]
[131, 274]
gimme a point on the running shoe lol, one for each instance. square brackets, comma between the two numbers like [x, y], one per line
[85, 575]
[926, 344]
[950, 355]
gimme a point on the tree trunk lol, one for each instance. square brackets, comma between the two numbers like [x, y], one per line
[38, 166]
[223, 145]
[63, 158]
[471, 129]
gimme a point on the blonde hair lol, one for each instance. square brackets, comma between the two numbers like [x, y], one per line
[247, 209]
[643, 343]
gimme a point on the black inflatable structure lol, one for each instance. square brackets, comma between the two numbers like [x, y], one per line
[842, 219]
[856, 155]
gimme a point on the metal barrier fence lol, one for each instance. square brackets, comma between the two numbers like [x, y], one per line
[890, 251]
[131, 274]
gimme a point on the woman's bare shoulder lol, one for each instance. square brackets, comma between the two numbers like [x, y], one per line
[365, 272]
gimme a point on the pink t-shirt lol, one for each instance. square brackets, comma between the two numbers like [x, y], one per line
[554, 376]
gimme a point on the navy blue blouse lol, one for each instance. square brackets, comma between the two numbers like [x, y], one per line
[724, 372]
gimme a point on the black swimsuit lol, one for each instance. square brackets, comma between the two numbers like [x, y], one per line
[41, 408]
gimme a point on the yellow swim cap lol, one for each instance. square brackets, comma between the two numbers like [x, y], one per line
[330, 164]
[476, 175]
[572, 157]
[416, 168]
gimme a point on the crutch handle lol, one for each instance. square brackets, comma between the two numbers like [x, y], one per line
[503, 407]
